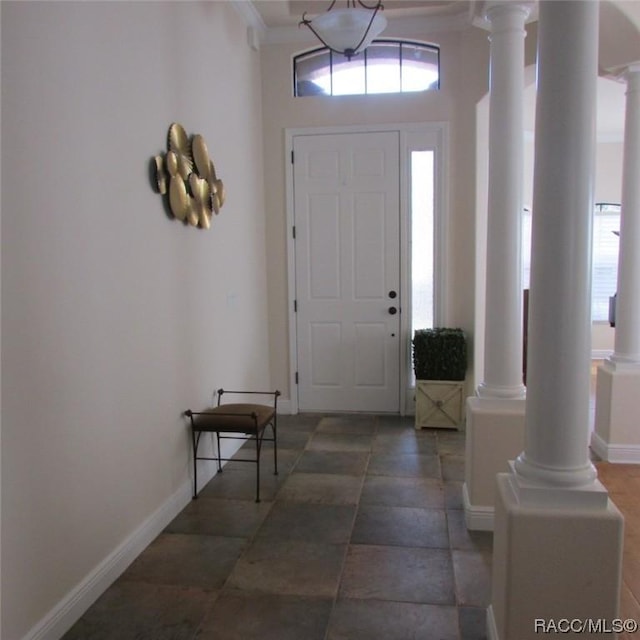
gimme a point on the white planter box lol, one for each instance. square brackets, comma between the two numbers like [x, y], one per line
[439, 404]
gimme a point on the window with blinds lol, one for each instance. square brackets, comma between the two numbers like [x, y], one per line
[606, 227]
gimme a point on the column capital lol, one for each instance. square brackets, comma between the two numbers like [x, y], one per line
[623, 72]
[493, 10]
[632, 76]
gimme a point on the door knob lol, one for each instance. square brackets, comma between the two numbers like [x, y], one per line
[393, 311]
[392, 294]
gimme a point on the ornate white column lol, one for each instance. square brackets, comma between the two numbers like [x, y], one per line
[495, 417]
[558, 374]
[616, 437]
[552, 515]
[503, 332]
[627, 340]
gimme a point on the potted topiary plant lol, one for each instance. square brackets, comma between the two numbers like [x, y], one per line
[440, 367]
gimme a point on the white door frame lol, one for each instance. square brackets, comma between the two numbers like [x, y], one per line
[412, 137]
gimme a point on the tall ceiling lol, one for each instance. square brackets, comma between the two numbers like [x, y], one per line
[619, 38]
[276, 14]
[281, 13]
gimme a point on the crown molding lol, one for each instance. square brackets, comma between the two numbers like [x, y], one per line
[427, 25]
[397, 27]
[248, 12]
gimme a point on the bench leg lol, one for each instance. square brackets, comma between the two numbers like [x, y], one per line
[219, 452]
[275, 446]
[195, 439]
[258, 449]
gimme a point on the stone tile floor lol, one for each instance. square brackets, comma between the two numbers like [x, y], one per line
[361, 536]
[623, 484]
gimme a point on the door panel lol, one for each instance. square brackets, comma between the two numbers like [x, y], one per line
[325, 341]
[370, 365]
[323, 247]
[347, 254]
[368, 248]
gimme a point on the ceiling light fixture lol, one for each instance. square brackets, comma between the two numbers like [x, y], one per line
[347, 31]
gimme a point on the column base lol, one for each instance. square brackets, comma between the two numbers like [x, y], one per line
[490, 392]
[495, 435]
[616, 437]
[553, 564]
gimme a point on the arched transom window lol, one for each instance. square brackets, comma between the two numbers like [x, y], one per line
[386, 66]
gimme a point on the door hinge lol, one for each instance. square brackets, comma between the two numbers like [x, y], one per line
[296, 377]
[293, 231]
[292, 160]
[295, 306]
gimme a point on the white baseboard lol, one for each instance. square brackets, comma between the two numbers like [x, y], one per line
[617, 453]
[285, 406]
[69, 610]
[66, 613]
[477, 518]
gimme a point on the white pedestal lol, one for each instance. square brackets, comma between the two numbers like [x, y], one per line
[551, 563]
[616, 436]
[439, 404]
[495, 435]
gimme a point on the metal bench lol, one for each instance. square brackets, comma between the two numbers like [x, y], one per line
[249, 419]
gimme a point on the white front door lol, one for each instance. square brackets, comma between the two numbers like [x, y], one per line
[347, 260]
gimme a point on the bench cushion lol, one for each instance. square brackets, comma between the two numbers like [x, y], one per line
[234, 418]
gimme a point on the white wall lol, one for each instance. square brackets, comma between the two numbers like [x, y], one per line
[115, 319]
[608, 177]
[463, 81]
[609, 163]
